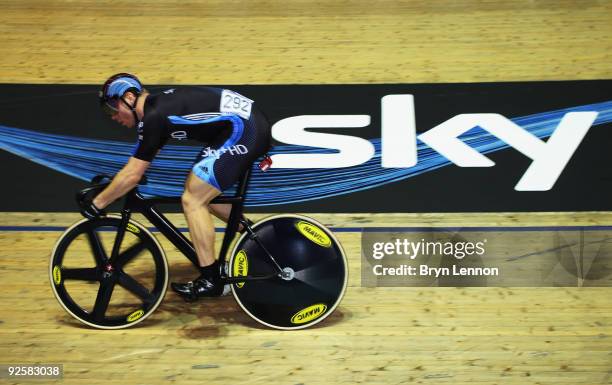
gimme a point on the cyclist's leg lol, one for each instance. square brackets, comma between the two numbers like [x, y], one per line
[196, 199]
[201, 186]
[222, 211]
[198, 194]
[212, 173]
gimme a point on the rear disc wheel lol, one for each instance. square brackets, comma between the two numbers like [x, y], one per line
[314, 275]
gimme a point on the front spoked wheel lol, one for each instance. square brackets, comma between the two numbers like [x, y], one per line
[102, 290]
[314, 266]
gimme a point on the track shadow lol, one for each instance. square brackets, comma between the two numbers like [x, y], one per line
[213, 315]
[222, 312]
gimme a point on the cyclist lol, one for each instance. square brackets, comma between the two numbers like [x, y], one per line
[235, 133]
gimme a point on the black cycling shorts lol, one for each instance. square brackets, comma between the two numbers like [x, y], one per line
[223, 162]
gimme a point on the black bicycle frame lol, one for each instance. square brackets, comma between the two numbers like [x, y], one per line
[135, 202]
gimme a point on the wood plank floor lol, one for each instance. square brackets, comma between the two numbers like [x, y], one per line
[377, 335]
[304, 41]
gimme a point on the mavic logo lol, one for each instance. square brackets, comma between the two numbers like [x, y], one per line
[309, 314]
[399, 141]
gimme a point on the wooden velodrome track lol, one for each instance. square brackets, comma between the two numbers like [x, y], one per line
[378, 335]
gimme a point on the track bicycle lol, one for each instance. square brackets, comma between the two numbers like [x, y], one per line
[285, 271]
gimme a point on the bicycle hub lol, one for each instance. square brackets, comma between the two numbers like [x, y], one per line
[288, 274]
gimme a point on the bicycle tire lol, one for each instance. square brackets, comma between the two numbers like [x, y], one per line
[69, 247]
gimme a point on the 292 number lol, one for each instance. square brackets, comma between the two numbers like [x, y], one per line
[236, 103]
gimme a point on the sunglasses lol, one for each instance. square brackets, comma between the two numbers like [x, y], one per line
[109, 110]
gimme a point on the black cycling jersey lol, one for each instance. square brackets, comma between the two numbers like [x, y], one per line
[198, 113]
[235, 131]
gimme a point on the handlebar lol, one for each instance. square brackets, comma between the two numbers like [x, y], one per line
[100, 177]
[96, 185]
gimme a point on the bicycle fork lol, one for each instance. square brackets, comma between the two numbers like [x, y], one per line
[285, 273]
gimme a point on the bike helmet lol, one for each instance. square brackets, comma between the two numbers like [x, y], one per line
[113, 90]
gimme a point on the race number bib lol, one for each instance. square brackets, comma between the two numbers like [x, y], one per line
[234, 103]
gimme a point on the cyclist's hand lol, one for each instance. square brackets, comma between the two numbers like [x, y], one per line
[89, 210]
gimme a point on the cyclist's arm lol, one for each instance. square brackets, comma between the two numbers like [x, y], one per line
[125, 180]
[150, 141]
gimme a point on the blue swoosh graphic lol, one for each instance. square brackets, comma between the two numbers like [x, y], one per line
[84, 158]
